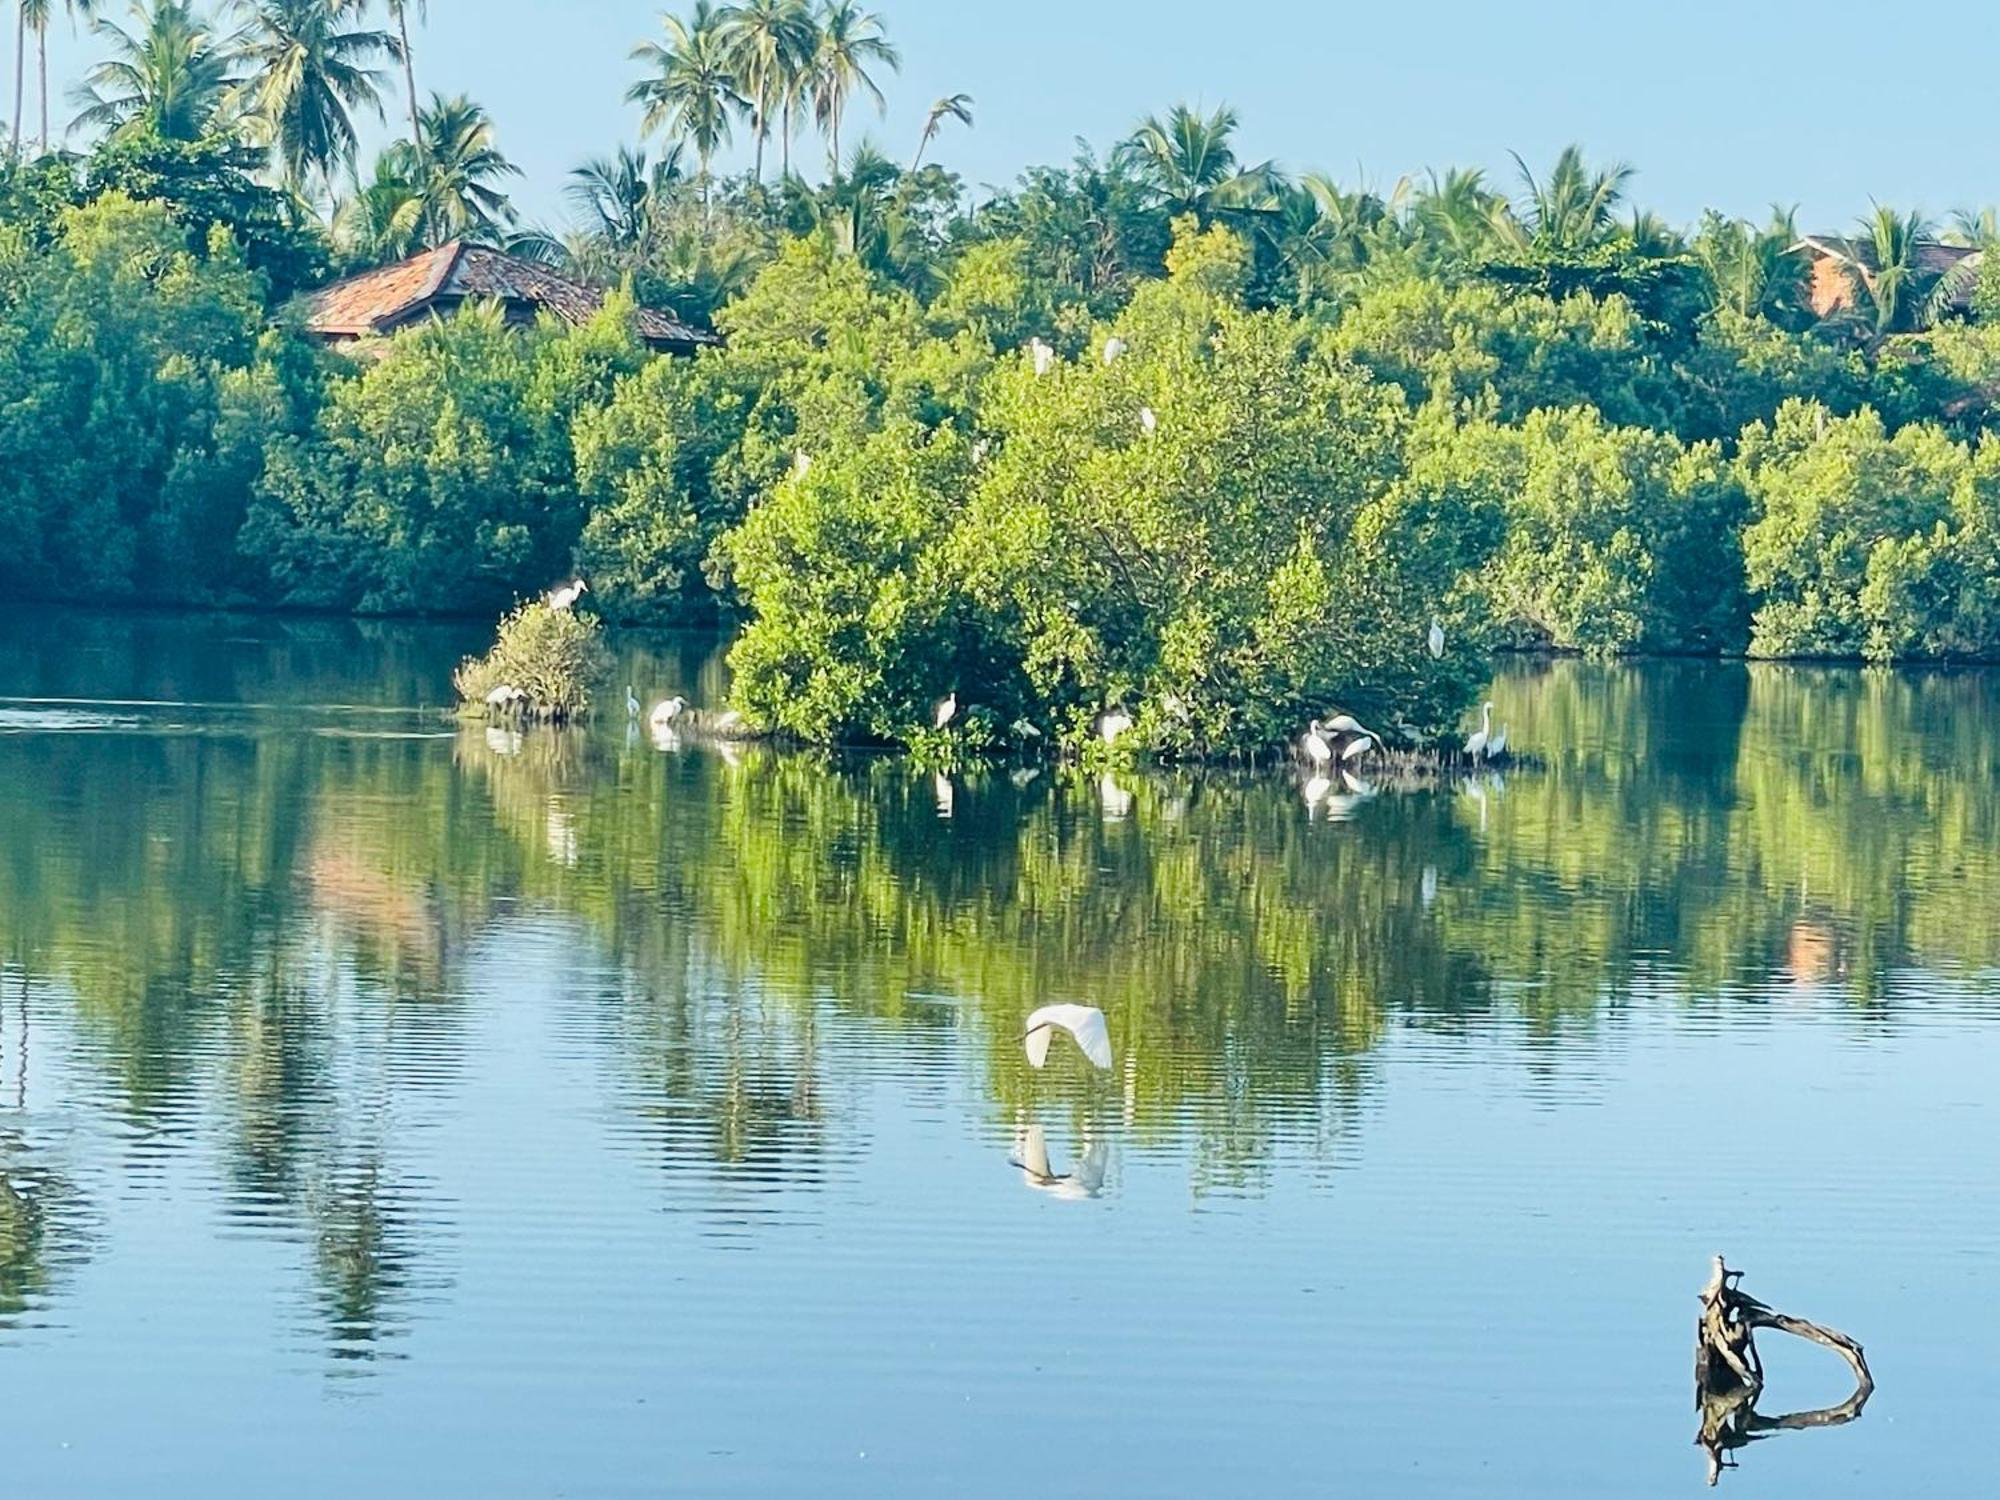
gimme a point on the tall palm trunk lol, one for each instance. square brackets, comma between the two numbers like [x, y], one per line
[42, 70]
[20, 72]
[410, 83]
[785, 145]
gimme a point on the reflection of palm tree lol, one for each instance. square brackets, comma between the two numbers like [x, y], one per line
[363, 1259]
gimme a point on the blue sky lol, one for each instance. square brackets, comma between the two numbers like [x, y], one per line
[1734, 105]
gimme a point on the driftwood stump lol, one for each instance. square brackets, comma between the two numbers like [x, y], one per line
[1728, 1375]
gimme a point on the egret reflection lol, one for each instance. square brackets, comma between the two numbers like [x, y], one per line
[1084, 1180]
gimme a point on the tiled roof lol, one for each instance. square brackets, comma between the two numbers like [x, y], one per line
[381, 300]
[1933, 257]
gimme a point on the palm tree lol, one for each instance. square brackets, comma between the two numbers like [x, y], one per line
[460, 167]
[770, 46]
[621, 195]
[1754, 272]
[399, 12]
[1575, 209]
[1191, 166]
[952, 107]
[171, 73]
[849, 39]
[35, 16]
[305, 75]
[1456, 213]
[1885, 270]
[692, 87]
[20, 72]
[384, 218]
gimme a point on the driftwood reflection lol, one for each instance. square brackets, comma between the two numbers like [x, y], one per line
[1729, 1375]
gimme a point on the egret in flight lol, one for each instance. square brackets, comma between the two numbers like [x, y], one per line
[1085, 1023]
[1437, 639]
[666, 711]
[944, 710]
[1113, 347]
[1475, 745]
[565, 595]
[1043, 355]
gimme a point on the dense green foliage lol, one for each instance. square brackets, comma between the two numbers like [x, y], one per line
[1545, 420]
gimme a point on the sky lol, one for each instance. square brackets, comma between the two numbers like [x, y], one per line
[1729, 105]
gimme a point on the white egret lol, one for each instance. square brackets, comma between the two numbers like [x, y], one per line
[728, 723]
[1360, 745]
[1148, 421]
[944, 710]
[1043, 356]
[1113, 347]
[1315, 745]
[979, 451]
[1497, 746]
[1358, 737]
[631, 702]
[1475, 745]
[802, 463]
[565, 595]
[1085, 1023]
[1112, 724]
[1436, 641]
[504, 696]
[666, 711]
[1025, 729]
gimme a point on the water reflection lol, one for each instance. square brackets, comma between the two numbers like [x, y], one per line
[287, 967]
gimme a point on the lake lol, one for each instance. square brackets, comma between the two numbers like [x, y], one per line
[390, 1108]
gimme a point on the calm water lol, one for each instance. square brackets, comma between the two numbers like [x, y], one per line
[392, 1110]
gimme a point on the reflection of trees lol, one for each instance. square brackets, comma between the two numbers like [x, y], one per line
[43, 1226]
[234, 908]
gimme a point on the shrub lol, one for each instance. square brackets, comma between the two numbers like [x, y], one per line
[554, 657]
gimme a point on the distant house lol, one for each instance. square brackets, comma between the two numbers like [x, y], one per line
[436, 283]
[1830, 257]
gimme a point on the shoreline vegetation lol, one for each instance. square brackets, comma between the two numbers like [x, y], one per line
[1158, 434]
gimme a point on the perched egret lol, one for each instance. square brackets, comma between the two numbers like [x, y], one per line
[631, 702]
[979, 451]
[504, 696]
[565, 596]
[944, 710]
[1148, 421]
[1315, 745]
[1475, 745]
[1043, 355]
[1113, 347]
[1083, 1022]
[728, 723]
[666, 711]
[802, 463]
[1497, 746]
[1437, 639]
[1113, 724]
[1175, 705]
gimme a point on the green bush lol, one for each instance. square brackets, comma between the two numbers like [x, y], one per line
[555, 658]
